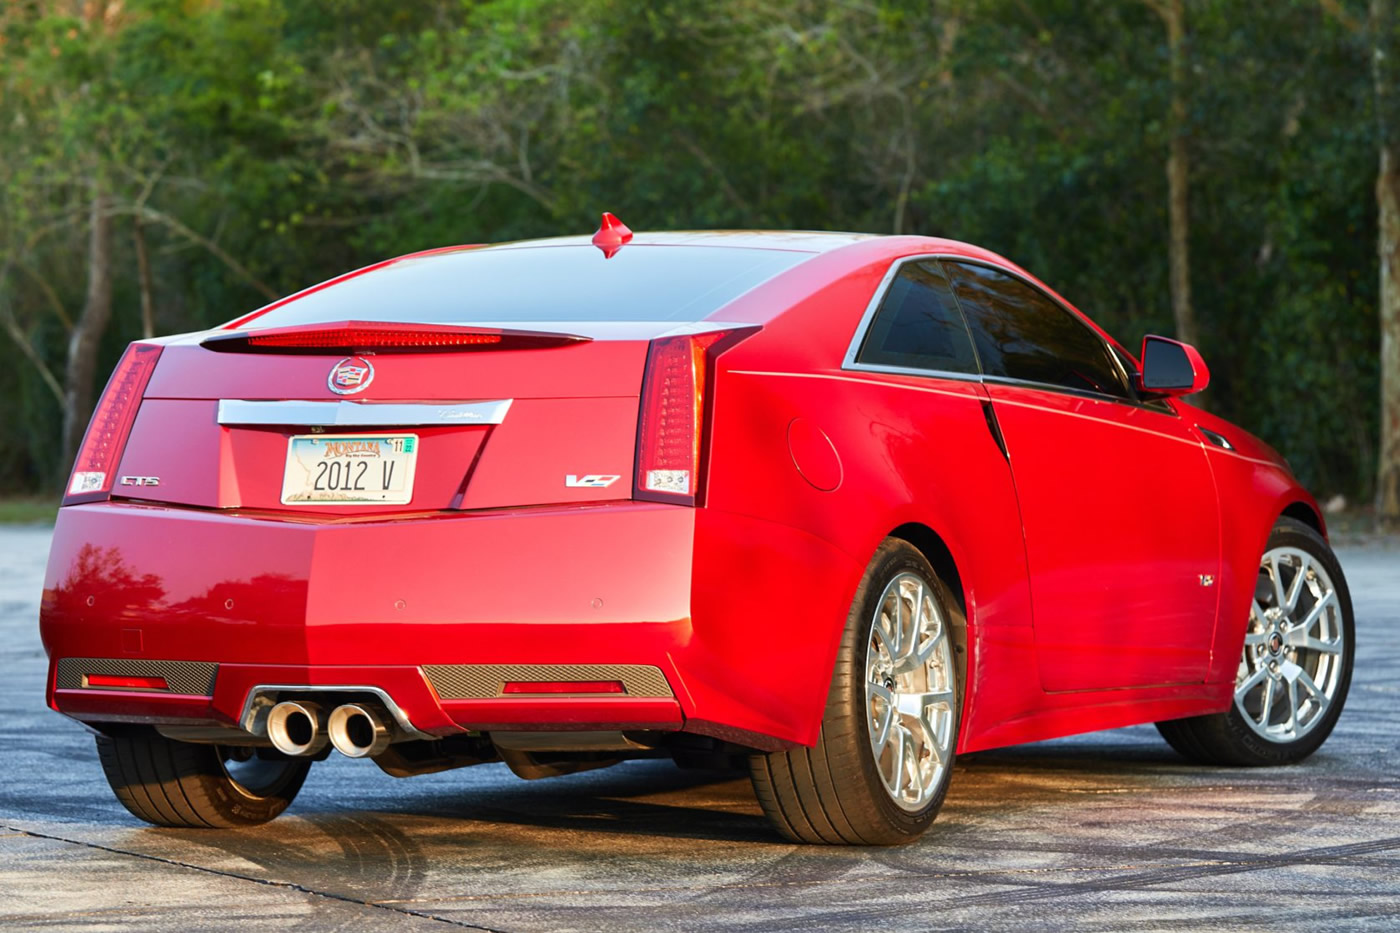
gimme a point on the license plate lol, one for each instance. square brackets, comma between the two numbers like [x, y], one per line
[350, 469]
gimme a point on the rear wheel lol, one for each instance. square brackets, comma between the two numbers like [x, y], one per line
[171, 783]
[883, 759]
[1296, 662]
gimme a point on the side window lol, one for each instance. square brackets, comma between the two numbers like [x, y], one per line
[1021, 334]
[917, 325]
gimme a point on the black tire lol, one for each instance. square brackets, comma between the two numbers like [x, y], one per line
[171, 783]
[1227, 738]
[832, 793]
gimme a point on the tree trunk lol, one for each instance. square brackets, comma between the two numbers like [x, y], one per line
[143, 277]
[81, 373]
[1179, 174]
[1384, 51]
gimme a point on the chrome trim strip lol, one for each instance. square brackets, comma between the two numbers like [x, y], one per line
[911, 371]
[361, 414]
[253, 716]
[1063, 390]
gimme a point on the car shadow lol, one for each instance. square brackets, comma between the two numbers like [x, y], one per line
[639, 799]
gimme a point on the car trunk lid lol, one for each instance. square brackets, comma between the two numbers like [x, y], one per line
[530, 417]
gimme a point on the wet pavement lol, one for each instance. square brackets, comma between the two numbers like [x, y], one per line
[1110, 831]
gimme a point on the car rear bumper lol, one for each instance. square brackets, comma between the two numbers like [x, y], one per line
[437, 612]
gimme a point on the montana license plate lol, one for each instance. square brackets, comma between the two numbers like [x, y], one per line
[350, 469]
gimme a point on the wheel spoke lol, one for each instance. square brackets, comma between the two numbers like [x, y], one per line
[1276, 572]
[881, 736]
[898, 768]
[1297, 638]
[1311, 686]
[921, 655]
[1297, 588]
[1315, 613]
[1266, 708]
[1251, 681]
[883, 638]
[888, 631]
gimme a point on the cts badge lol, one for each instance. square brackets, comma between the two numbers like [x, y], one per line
[352, 374]
[591, 480]
[140, 480]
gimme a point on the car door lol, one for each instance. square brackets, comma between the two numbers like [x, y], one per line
[942, 446]
[1118, 504]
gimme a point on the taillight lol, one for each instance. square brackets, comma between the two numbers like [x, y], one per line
[93, 471]
[671, 432]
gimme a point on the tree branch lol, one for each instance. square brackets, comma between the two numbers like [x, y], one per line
[21, 339]
[55, 303]
[704, 159]
[175, 226]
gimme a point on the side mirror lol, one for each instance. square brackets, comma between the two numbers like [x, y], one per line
[1170, 367]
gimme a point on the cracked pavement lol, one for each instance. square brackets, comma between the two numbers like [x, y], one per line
[1110, 831]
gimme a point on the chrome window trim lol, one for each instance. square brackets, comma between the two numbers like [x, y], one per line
[867, 318]
[911, 371]
[1064, 390]
[360, 414]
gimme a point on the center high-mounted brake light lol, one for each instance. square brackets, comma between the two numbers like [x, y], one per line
[675, 396]
[381, 337]
[101, 450]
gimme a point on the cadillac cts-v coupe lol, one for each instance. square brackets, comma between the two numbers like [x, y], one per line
[830, 507]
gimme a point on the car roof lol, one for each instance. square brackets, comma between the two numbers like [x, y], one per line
[805, 241]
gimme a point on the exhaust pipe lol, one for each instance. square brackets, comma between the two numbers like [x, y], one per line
[357, 731]
[294, 727]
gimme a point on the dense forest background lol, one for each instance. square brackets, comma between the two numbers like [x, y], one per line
[1204, 167]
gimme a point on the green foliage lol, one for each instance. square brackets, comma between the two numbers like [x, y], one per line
[304, 138]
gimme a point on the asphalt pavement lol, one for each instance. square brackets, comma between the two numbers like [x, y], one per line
[1110, 831]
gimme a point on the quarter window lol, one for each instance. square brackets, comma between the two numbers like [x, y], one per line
[918, 325]
[1020, 333]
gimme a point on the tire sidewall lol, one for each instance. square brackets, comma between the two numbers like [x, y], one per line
[242, 805]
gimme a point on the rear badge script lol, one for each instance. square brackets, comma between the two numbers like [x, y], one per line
[591, 480]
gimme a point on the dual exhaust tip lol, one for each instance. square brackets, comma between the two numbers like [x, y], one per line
[300, 728]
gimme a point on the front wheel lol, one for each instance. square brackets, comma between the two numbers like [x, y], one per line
[883, 759]
[171, 783]
[1296, 662]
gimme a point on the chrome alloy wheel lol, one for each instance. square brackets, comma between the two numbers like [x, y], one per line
[1292, 659]
[909, 692]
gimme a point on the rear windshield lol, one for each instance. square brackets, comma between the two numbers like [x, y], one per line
[555, 283]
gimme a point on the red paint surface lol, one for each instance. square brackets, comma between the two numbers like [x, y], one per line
[1078, 561]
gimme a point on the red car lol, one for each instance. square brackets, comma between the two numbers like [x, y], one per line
[832, 507]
